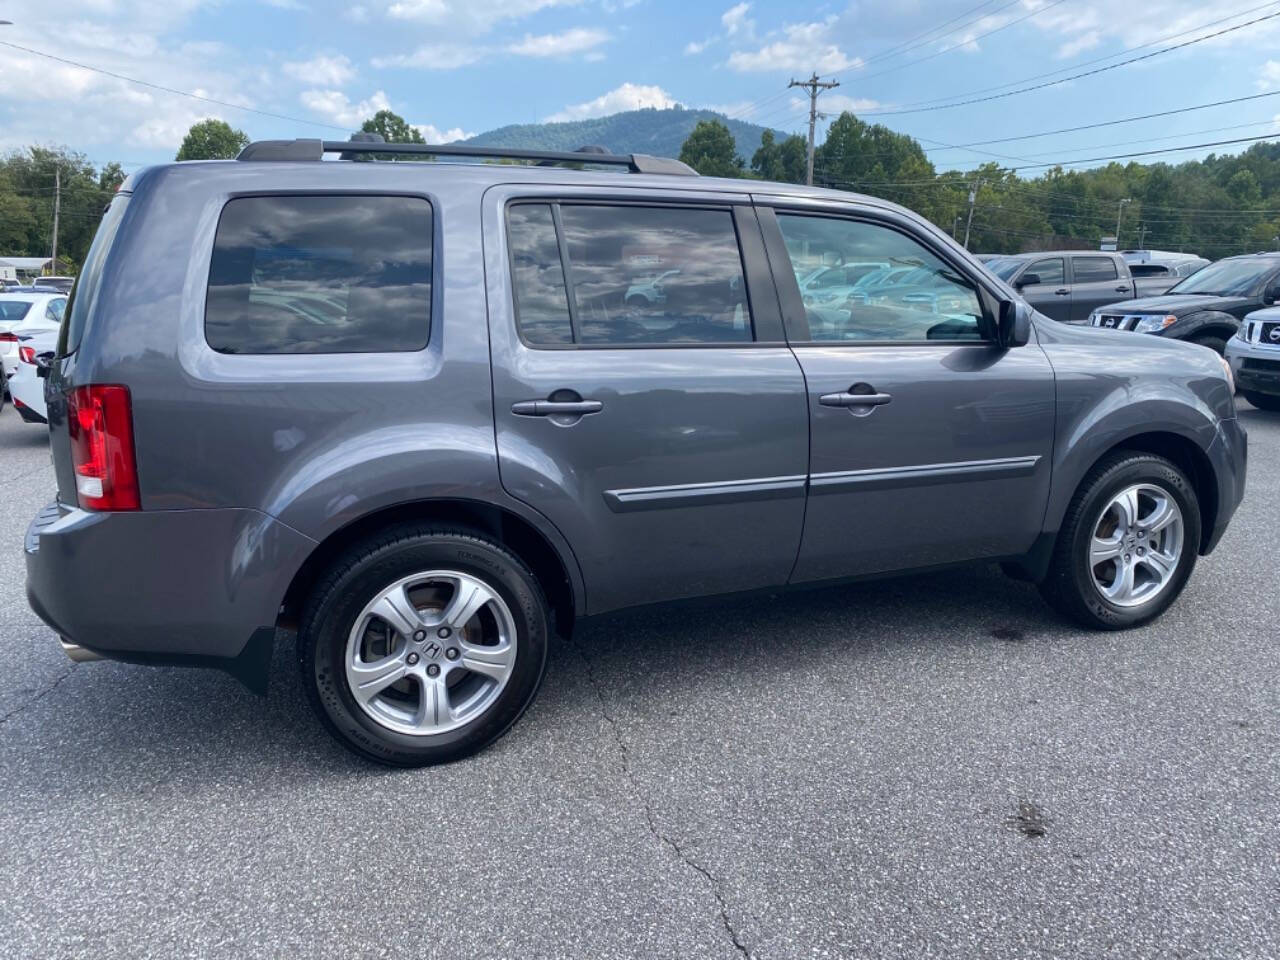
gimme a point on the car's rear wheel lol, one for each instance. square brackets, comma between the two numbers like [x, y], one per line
[1128, 543]
[423, 645]
[1263, 401]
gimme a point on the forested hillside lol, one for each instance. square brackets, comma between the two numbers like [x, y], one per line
[652, 131]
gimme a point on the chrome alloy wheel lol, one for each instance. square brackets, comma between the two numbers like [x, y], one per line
[431, 652]
[1136, 545]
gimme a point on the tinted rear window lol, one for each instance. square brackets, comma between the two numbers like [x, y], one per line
[85, 291]
[320, 275]
[11, 311]
[1093, 269]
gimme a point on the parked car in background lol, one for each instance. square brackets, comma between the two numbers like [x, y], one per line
[1068, 285]
[26, 386]
[34, 310]
[61, 284]
[1206, 307]
[836, 283]
[8, 283]
[464, 453]
[1162, 264]
[1254, 355]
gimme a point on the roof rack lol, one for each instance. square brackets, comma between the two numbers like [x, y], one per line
[284, 150]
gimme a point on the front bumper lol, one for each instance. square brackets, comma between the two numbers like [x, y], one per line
[162, 586]
[1229, 457]
[1255, 366]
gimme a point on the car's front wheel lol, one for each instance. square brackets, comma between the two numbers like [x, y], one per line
[423, 645]
[1128, 543]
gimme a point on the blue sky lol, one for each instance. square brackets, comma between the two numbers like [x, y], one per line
[458, 67]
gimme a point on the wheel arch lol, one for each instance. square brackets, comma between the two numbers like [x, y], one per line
[1207, 323]
[557, 574]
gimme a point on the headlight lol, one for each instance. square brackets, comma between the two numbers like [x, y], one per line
[1243, 332]
[1154, 324]
[1226, 372]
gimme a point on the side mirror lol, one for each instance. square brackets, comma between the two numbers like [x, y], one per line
[1014, 323]
[1026, 280]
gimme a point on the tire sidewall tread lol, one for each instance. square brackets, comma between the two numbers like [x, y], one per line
[346, 588]
[1069, 585]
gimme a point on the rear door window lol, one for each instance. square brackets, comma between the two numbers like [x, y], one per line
[1093, 269]
[321, 274]
[622, 275]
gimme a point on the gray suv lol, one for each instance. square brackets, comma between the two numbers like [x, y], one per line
[410, 410]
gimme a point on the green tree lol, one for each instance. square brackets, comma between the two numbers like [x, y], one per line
[212, 140]
[785, 162]
[392, 127]
[110, 178]
[710, 149]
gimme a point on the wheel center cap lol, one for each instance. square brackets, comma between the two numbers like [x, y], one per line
[432, 650]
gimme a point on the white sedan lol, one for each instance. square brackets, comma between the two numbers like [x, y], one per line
[30, 311]
[26, 386]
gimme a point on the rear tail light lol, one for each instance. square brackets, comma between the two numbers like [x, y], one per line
[100, 422]
[8, 338]
[27, 354]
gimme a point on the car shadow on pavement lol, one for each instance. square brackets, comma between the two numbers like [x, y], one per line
[177, 722]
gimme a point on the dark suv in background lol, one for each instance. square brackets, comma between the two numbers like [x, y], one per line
[410, 409]
[1068, 285]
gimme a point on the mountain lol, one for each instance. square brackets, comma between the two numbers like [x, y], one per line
[653, 131]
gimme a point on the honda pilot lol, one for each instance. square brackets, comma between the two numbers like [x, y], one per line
[411, 412]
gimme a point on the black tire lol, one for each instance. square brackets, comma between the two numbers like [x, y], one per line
[1263, 401]
[356, 578]
[1217, 344]
[1069, 586]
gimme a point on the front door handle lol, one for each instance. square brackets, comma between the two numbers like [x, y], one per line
[1061, 292]
[1122, 289]
[847, 399]
[551, 408]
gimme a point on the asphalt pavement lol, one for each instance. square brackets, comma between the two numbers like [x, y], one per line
[930, 766]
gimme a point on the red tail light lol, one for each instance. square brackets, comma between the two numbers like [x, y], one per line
[100, 421]
[8, 338]
[27, 354]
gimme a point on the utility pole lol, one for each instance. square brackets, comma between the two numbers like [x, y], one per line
[57, 208]
[1119, 217]
[973, 199]
[1142, 235]
[955, 227]
[814, 86]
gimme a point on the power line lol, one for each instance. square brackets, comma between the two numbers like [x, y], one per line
[180, 93]
[1076, 76]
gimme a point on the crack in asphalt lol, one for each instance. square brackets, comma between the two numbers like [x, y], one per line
[38, 697]
[674, 845]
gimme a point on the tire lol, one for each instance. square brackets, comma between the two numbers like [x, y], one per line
[1217, 344]
[402, 723]
[1263, 401]
[1073, 585]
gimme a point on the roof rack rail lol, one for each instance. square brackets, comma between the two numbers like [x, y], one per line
[284, 150]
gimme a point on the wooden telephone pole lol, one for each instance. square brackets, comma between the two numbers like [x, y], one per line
[814, 86]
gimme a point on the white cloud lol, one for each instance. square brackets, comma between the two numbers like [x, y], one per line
[434, 56]
[629, 96]
[286, 4]
[432, 134]
[1268, 75]
[474, 16]
[323, 70]
[335, 107]
[576, 40]
[834, 103]
[735, 19]
[1086, 41]
[802, 46]
[357, 14]
[694, 47]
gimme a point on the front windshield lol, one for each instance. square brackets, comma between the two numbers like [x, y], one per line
[1004, 267]
[1226, 278]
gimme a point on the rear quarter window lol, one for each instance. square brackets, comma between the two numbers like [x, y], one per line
[85, 291]
[320, 274]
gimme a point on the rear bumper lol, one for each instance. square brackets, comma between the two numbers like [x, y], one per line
[163, 586]
[1229, 455]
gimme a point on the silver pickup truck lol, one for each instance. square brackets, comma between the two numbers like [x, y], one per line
[1068, 285]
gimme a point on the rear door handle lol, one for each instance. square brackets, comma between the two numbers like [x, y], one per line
[847, 399]
[550, 408]
[1122, 289]
[1062, 292]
